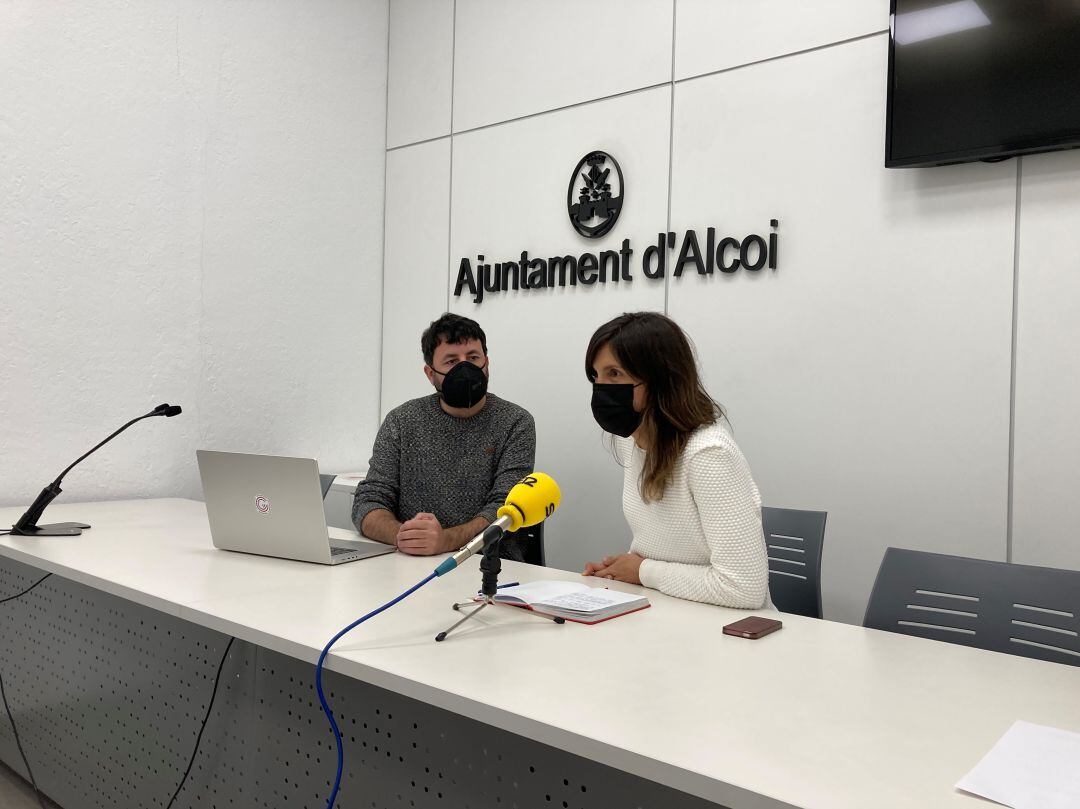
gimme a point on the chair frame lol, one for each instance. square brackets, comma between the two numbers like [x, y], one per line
[794, 541]
[1016, 609]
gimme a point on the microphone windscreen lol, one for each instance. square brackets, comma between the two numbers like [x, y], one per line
[161, 408]
[532, 500]
[172, 410]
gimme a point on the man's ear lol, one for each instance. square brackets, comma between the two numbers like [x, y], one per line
[430, 374]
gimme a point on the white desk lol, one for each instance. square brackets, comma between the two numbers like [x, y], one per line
[820, 715]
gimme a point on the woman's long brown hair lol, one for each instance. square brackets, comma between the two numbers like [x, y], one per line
[653, 349]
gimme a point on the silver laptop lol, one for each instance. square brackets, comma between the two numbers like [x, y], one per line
[272, 506]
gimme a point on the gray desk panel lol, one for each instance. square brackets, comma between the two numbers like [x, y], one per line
[109, 695]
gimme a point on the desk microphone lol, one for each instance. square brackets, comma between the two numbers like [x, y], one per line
[27, 525]
[532, 500]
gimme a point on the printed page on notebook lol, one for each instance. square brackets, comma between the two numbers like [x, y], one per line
[537, 591]
[573, 601]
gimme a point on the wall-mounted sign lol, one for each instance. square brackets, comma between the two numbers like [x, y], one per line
[594, 208]
[593, 213]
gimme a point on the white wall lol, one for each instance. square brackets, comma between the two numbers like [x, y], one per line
[863, 377]
[191, 211]
[714, 35]
[415, 281]
[518, 58]
[1046, 509]
[419, 102]
[870, 376]
[537, 342]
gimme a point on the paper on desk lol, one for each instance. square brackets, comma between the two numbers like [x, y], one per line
[1030, 767]
[349, 479]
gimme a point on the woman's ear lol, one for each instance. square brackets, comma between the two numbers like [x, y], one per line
[641, 397]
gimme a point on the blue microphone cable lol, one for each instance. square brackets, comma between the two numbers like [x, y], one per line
[322, 660]
[447, 564]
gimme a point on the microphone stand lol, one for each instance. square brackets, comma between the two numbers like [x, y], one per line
[27, 524]
[490, 567]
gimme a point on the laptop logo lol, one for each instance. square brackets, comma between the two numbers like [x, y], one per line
[262, 504]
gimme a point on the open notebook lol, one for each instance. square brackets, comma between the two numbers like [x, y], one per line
[573, 601]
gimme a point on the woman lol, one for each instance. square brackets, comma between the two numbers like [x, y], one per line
[692, 506]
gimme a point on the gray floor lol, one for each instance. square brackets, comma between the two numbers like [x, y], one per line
[15, 793]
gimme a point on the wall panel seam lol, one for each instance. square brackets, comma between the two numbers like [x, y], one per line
[768, 59]
[631, 91]
[1009, 510]
[671, 142]
[450, 189]
[562, 108]
[416, 143]
[386, 193]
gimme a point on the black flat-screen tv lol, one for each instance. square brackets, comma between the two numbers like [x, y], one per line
[981, 80]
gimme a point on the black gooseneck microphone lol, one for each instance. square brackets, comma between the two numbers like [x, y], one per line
[27, 525]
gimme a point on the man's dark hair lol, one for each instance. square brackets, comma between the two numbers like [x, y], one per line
[451, 329]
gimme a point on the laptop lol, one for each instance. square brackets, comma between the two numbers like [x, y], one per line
[273, 506]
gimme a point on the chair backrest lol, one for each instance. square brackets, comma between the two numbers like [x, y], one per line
[524, 545]
[794, 541]
[325, 482]
[1016, 609]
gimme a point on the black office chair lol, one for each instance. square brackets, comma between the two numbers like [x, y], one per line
[1016, 609]
[794, 541]
[524, 545]
[325, 481]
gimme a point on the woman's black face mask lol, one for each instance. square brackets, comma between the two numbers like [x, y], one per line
[613, 408]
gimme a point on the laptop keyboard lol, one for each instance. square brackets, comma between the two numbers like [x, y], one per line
[339, 551]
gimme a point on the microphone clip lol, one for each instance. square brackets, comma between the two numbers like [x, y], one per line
[491, 562]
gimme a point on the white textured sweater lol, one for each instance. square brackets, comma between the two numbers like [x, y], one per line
[702, 541]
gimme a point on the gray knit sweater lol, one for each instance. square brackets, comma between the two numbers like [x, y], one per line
[425, 460]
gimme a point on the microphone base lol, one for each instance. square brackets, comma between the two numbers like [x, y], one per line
[490, 566]
[56, 529]
[484, 602]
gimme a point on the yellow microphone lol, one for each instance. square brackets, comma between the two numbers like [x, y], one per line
[533, 499]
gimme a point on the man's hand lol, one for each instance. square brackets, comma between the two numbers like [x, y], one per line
[422, 536]
[620, 568]
[381, 526]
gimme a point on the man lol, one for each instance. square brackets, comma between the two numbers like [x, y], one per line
[443, 464]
